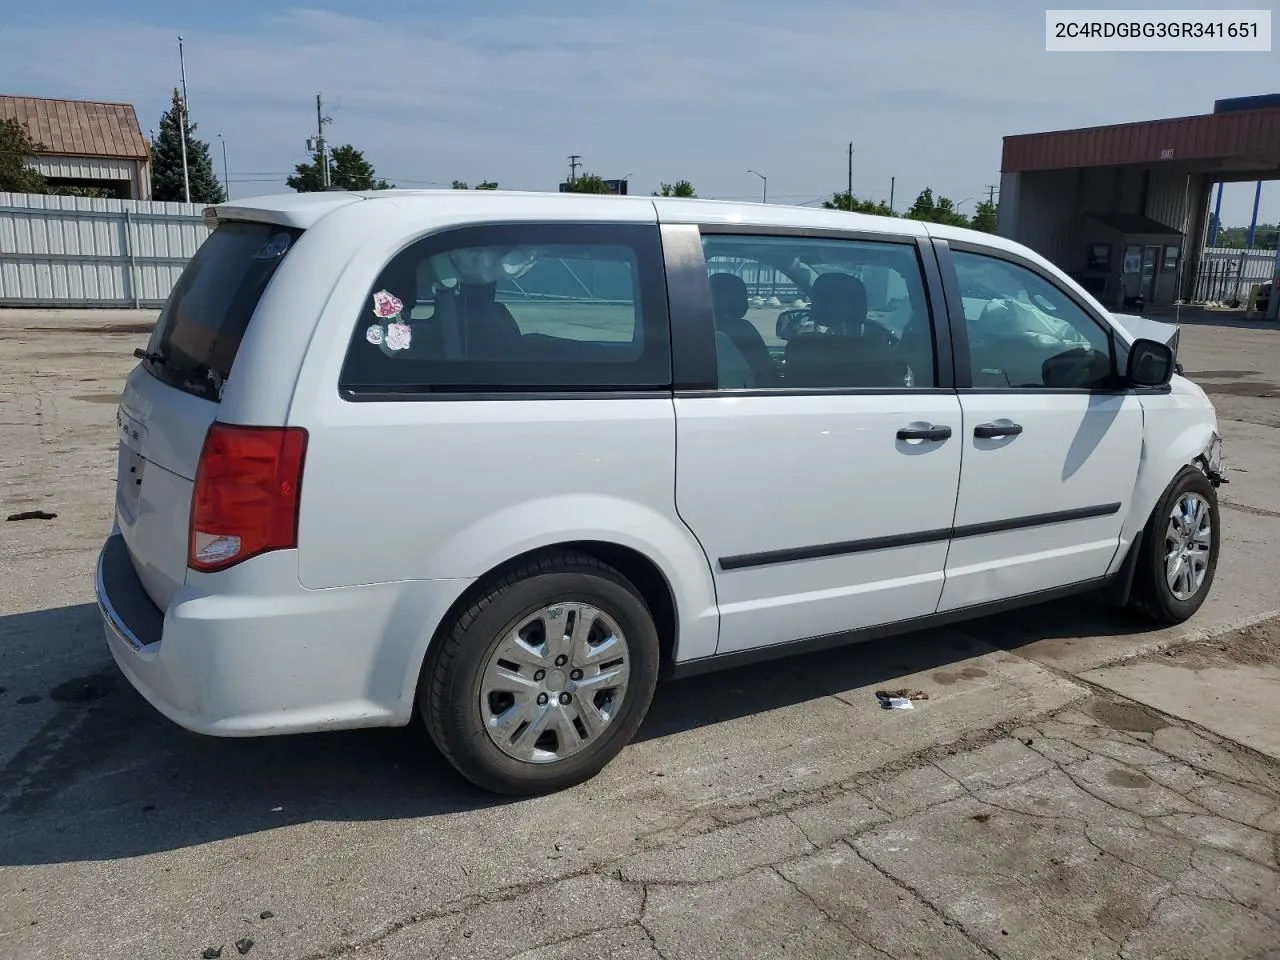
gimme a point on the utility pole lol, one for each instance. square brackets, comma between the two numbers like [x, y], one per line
[322, 145]
[574, 164]
[892, 184]
[991, 194]
[226, 180]
[186, 177]
[851, 175]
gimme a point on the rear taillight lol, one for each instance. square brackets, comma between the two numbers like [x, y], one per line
[246, 494]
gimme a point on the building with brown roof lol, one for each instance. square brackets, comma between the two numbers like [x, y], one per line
[1125, 208]
[85, 143]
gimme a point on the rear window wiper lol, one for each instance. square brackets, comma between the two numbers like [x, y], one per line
[197, 371]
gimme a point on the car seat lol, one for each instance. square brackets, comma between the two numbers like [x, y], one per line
[729, 305]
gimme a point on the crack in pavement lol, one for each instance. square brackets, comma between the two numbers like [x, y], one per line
[834, 921]
[644, 909]
[582, 935]
[928, 904]
[454, 908]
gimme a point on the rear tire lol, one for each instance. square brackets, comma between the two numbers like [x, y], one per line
[543, 680]
[1179, 551]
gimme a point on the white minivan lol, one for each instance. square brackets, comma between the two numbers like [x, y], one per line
[503, 459]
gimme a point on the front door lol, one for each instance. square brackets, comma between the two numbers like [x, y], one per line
[1051, 449]
[1150, 262]
[820, 477]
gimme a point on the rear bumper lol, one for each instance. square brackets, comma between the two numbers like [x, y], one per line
[271, 657]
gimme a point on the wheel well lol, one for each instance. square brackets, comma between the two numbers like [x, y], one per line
[642, 572]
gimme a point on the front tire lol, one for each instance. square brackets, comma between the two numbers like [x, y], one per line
[1179, 553]
[542, 681]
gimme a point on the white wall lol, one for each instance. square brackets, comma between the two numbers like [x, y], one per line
[137, 173]
[79, 252]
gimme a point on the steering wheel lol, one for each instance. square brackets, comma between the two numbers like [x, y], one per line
[799, 317]
[871, 330]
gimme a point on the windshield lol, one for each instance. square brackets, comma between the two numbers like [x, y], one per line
[198, 333]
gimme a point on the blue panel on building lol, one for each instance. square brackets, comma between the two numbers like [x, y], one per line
[1260, 102]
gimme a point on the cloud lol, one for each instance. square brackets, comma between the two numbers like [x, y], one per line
[661, 89]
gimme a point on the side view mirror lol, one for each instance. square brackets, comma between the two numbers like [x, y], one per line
[1151, 364]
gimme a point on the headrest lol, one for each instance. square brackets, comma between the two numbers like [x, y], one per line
[728, 297]
[838, 299]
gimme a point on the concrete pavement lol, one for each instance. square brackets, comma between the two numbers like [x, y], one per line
[1034, 806]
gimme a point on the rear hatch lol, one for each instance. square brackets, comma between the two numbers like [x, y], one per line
[173, 395]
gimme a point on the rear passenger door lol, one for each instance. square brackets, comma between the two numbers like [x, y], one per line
[822, 487]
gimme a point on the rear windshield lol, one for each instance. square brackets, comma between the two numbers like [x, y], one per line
[199, 331]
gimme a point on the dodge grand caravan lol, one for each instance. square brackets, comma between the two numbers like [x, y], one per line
[503, 459]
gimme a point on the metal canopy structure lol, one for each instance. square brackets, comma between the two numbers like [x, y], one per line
[1230, 144]
[1125, 207]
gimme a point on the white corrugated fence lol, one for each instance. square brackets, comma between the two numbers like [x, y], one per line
[79, 252]
[1226, 274]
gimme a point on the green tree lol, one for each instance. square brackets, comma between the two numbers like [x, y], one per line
[1264, 237]
[16, 149]
[843, 201]
[941, 211]
[984, 217]
[482, 185]
[681, 188]
[166, 160]
[105, 193]
[588, 183]
[348, 170]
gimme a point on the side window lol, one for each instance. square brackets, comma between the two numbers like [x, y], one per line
[515, 307]
[1025, 332]
[810, 313]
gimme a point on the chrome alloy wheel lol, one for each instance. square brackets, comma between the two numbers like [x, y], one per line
[554, 683]
[1187, 545]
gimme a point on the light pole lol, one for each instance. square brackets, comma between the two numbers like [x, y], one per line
[764, 185]
[226, 180]
[182, 129]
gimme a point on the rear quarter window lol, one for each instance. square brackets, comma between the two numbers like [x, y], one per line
[198, 333]
[528, 307]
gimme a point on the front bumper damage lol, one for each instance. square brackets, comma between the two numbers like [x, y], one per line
[1211, 462]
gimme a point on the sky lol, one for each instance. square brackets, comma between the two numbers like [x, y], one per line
[657, 90]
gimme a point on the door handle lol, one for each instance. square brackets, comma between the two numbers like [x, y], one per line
[924, 433]
[989, 431]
